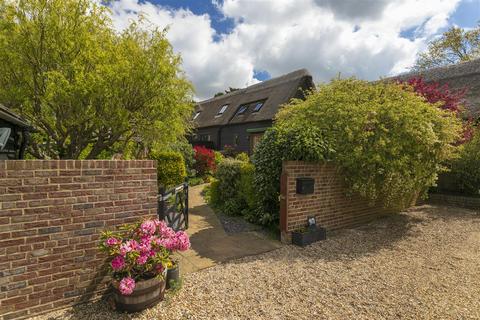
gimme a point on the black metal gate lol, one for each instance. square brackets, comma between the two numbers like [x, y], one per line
[173, 207]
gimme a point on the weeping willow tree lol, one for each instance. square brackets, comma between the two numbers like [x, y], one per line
[88, 90]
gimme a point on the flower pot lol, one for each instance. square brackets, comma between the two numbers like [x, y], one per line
[146, 294]
[309, 236]
[173, 275]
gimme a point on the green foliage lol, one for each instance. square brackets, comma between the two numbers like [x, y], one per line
[465, 170]
[389, 142]
[242, 156]
[89, 90]
[225, 192]
[186, 149]
[170, 168]
[232, 191]
[247, 192]
[219, 157]
[279, 144]
[455, 45]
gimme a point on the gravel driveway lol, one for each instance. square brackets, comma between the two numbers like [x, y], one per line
[422, 264]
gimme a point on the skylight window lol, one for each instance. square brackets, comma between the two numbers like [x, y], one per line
[242, 109]
[196, 115]
[223, 109]
[258, 106]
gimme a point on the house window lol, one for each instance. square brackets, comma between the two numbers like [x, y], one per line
[258, 106]
[222, 109]
[242, 109]
[196, 115]
[4, 135]
[204, 137]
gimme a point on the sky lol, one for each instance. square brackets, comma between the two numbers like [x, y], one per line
[236, 43]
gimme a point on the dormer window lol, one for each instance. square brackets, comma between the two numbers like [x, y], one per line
[242, 109]
[222, 109]
[196, 115]
[258, 106]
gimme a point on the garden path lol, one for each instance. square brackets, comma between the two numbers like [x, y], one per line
[211, 244]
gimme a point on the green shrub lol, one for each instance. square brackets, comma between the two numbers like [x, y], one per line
[247, 192]
[279, 144]
[218, 158]
[187, 153]
[226, 187]
[387, 141]
[465, 170]
[232, 191]
[242, 156]
[170, 168]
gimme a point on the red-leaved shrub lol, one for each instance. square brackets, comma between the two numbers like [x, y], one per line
[204, 160]
[450, 100]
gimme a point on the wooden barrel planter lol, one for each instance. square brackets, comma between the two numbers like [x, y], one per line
[146, 294]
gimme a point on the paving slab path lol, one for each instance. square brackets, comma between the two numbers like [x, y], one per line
[211, 244]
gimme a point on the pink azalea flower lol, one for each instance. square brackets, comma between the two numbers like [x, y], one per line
[128, 246]
[118, 263]
[183, 242]
[111, 242]
[127, 285]
[148, 227]
[142, 259]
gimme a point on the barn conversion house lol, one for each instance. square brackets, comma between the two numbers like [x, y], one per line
[239, 118]
[13, 135]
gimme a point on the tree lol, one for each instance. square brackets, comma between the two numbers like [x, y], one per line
[88, 90]
[455, 45]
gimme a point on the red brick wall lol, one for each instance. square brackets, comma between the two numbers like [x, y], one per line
[51, 213]
[329, 203]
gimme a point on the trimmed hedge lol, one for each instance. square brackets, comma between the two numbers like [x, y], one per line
[171, 169]
[232, 190]
[465, 171]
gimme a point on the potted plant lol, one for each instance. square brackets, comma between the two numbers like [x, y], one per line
[173, 273]
[308, 235]
[137, 256]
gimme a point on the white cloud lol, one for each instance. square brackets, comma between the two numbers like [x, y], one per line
[351, 37]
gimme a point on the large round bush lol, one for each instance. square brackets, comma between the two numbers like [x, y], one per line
[387, 141]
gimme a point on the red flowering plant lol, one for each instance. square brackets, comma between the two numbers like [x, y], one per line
[141, 251]
[204, 160]
[445, 98]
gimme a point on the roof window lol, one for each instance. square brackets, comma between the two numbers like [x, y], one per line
[242, 109]
[258, 106]
[222, 109]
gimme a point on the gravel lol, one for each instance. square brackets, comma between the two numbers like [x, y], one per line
[422, 264]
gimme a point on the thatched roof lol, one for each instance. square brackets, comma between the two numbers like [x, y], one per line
[12, 117]
[457, 76]
[272, 93]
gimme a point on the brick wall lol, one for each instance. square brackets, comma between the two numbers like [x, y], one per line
[454, 200]
[329, 203]
[51, 213]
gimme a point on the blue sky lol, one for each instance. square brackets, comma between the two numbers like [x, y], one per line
[235, 43]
